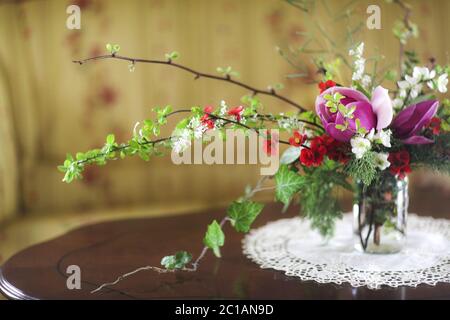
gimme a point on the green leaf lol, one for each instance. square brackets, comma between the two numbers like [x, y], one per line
[287, 184]
[278, 86]
[109, 47]
[343, 110]
[110, 139]
[182, 124]
[172, 55]
[290, 155]
[362, 89]
[363, 169]
[214, 238]
[116, 48]
[168, 262]
[177, 261]
[242, 214]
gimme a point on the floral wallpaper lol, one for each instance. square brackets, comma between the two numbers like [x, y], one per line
[50, 106]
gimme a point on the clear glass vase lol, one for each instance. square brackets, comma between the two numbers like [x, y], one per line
[380, 212]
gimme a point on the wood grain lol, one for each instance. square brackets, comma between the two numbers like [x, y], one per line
[104, 251]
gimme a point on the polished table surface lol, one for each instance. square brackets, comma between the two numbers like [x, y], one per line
[106, 250]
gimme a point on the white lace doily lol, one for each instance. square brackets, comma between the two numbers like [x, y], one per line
[291, 246]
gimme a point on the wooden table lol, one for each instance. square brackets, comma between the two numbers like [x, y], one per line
[106, 250]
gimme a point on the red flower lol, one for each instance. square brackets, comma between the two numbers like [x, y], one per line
[206, 119]
[306, 157]
[315, 154]
[270, 144]
[297, 140]
[335, 150]
[312, 157]
[400, 163]
[208, 109]
[326, 85]
[236, 112]
[435, 125]
[324, 145]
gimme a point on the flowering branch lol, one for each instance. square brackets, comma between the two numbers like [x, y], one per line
[197, 74]
[141, 145]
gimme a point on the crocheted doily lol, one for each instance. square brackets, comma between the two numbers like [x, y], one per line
[291, 246]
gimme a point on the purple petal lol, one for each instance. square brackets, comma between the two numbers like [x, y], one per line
[339, 135]
[365, 115]
[417, 140]
[401, 123]
[412, 119]
[382, 107]
[425, 110]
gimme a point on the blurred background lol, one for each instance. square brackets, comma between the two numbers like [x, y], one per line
[50, 106]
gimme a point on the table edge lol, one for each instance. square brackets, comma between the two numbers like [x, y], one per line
[11, 292]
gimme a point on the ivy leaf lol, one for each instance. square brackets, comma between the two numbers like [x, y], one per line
[214, 238]
[177, 261]
[242, 214]
[290, 155]
[287, 184]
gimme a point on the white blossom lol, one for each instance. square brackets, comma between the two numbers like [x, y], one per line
[198, 128]
[397, 103]
[366, 81]
[371, 134]
[410, 84]
[358, 62]
[181, 140]
[360, 146]
[423, 73]
[289, 123]
[402, 94]
[223, 108]
[358, 51]
[383, 137]
[442, 83]
[381, 160]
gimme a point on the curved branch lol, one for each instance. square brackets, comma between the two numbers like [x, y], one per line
[197, 74]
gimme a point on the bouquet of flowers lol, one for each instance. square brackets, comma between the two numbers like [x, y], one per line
[360, 136]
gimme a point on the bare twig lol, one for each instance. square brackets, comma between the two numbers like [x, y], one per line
[126, 275]
[198, 74]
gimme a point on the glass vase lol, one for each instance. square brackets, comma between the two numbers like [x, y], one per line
[380, 212]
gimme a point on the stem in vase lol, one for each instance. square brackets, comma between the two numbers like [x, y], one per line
[377, 234]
